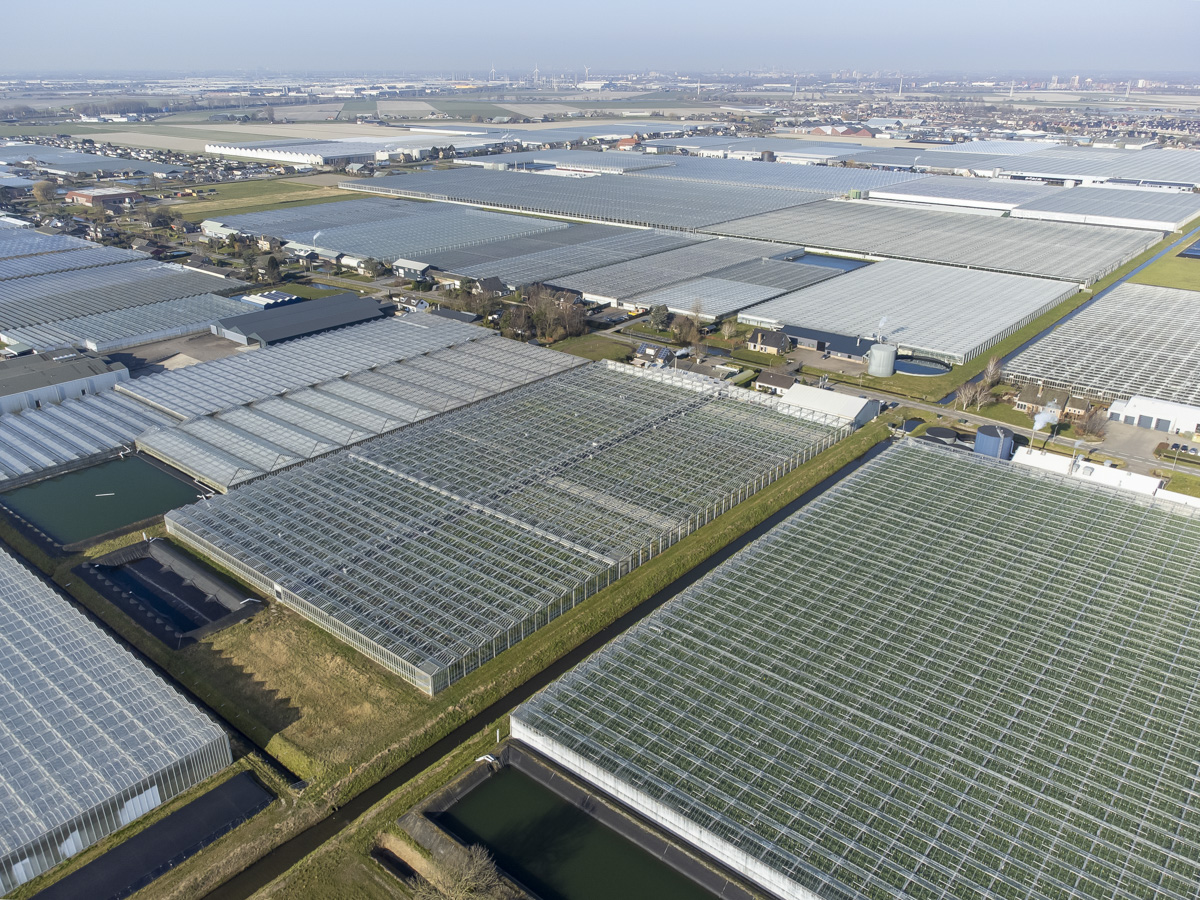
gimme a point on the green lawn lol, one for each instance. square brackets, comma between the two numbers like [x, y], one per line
[1172, 271]
[1181, 482]
[646, 330]
[307, 291]
[198, 212]
[595, 346]
[767, 360]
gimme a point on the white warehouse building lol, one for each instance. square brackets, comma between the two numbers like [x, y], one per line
[1160, 415]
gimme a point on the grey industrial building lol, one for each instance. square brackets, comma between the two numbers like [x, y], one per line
[30, 382]
[295, 320]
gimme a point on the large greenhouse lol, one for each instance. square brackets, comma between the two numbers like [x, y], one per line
[946, 677]
[90, 739]
[1134, 339]
[434, 548]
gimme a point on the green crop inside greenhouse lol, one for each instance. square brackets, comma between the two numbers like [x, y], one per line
[947, 677]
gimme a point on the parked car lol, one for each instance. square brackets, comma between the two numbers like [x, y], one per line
[1174, 447]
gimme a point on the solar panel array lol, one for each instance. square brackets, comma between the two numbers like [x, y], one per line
[1081, 253]
[89, 737]
[68, 295]
[602, 198]
[946, 677]
[245, 442]
[1135, 339]
[946, 312]
[434, 548]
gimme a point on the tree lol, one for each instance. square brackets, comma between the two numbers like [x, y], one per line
[658, 317]
[729, 329]
[469, 875]
[272, 270]
[685, 330]
[45, 191]
[1094, 423]
[991, 374]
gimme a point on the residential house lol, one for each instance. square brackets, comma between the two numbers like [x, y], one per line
[774, 382]
[1034, 398]
[773, 342]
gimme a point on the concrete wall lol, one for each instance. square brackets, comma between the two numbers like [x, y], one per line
[700, 838]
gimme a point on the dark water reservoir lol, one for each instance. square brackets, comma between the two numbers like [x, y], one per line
[91, 502]
[557, 850]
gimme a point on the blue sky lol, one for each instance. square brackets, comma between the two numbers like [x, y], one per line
[1052, 36]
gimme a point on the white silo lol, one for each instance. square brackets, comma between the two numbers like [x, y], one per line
[881, 360]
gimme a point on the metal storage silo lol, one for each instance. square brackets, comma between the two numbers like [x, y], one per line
[946, 436]
[994, 441]
[881, 360]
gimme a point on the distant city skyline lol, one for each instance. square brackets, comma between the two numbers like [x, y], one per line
[471, 36]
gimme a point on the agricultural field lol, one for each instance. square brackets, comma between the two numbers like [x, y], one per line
[946, 677]
[1173, 271]
[238, 197]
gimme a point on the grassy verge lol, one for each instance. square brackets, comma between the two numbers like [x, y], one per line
[1180, 482]
[595, 346]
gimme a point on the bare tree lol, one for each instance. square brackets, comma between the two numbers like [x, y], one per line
[469, 875]
[729, 329]
[991, 374]
[1094, 423]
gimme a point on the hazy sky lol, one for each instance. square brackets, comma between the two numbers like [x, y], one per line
[1052, 36]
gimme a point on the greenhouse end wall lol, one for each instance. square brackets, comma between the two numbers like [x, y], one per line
[702, 839]
[112, 814]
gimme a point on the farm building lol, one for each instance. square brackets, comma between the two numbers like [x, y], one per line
[875, 729]
[445, 552]
[293, 320]
[48, 378]
[1134, 339]
[91, 738]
